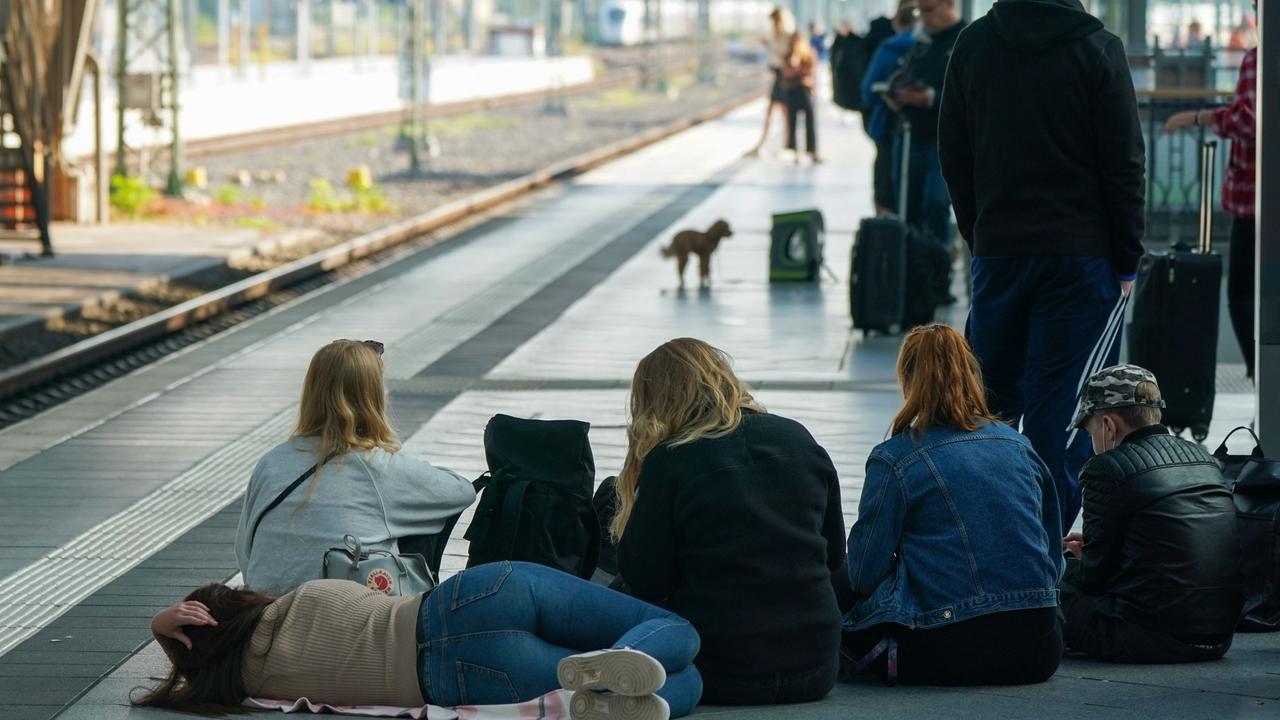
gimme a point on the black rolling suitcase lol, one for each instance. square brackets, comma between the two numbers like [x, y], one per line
[1174, 332]
[878, 276]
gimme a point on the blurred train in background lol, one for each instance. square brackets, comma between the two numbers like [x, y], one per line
[622, 23]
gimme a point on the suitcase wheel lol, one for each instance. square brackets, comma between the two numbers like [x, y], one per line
[1200, 432]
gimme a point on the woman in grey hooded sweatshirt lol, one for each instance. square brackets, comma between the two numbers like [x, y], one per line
[363, 485]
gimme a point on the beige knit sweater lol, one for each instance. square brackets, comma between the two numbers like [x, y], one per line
[336, 642]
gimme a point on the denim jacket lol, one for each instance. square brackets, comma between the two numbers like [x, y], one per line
[953, 525]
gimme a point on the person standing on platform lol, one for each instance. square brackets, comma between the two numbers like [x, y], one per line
[881, 122]
[916, 100]
[1238, 123]
[1042, 150]
[798, 82]
[777, 45]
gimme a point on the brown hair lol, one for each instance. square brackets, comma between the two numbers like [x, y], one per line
[344, 403]
[207, 678]
[941, 381]
[685, 389]
[1136, 417]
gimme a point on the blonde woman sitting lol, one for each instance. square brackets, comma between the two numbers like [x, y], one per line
[730, 517]
[362, 485]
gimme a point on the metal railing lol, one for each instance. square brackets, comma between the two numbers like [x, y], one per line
[1173, 166]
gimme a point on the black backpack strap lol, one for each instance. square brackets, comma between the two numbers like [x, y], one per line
[592, 559]
[280, 498]
[512, 501]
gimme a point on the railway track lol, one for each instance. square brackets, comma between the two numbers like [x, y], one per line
[32, 387]
[623, 71]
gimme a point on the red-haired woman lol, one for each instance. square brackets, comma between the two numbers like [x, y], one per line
[956, 555]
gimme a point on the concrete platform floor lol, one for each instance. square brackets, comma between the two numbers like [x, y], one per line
[541, 313]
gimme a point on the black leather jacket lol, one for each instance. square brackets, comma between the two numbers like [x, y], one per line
[1160, 536]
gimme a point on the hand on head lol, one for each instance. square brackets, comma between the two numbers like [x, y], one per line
[171, 621]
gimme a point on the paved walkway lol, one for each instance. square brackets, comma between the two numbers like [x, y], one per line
[121, 501]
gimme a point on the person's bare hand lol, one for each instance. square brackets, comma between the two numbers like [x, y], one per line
[916, 96]
[1126, 287]
[1074, 543]
[1180, 121]
[170, 621]
[893, 103]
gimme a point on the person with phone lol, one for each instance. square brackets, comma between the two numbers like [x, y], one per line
[882, 119]
[914, 91]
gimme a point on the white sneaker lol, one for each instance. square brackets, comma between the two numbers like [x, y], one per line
[592, 705]
[623, 671]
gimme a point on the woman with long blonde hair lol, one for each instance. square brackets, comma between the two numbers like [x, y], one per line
[777, 45]
[360, 482]
[954, 560]
[730, 517]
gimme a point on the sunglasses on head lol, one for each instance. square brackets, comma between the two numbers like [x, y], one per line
[373, 345]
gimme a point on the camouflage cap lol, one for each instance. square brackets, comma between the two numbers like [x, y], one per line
[1113, 387]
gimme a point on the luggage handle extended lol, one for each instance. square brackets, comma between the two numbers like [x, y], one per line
[904, 170]
[1208, 169]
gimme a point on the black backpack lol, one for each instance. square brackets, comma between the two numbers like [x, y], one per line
[1255, 487]
[535, 501]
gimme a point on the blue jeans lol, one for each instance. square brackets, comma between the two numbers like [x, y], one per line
[1033, 324]
[493, 635]
[928, 202]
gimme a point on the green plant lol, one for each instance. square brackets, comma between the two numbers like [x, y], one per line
[130, 195]
[365, 139]
[228, 195]
[371, 200]
[258, 202]
[322, 197]
[257, 223]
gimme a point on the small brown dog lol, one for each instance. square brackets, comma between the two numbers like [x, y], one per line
[702, 244]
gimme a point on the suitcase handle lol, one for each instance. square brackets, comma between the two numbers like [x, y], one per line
[902, 175]
[1208, 168]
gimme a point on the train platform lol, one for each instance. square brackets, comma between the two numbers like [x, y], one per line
[120, 501]
[99, 264]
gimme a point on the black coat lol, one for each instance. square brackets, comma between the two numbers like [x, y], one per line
[1039, 136]
[740, 535]
[1160, 536]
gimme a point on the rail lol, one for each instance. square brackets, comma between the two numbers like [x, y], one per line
[26, 389]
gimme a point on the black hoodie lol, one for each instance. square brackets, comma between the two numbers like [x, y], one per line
[1039, 136]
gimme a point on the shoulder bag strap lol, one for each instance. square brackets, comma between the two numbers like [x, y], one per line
[280, 498]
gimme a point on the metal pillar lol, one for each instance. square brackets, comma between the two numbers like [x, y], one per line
[174, 185]
[149, 41]
[415, 131]
[1267, 272]
[224, 33]
[553, 15]
[708, 55]
[655, 76]
[304, 35]
[246, 34]
[122, 73]
[1135, 40]
[439, 34]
